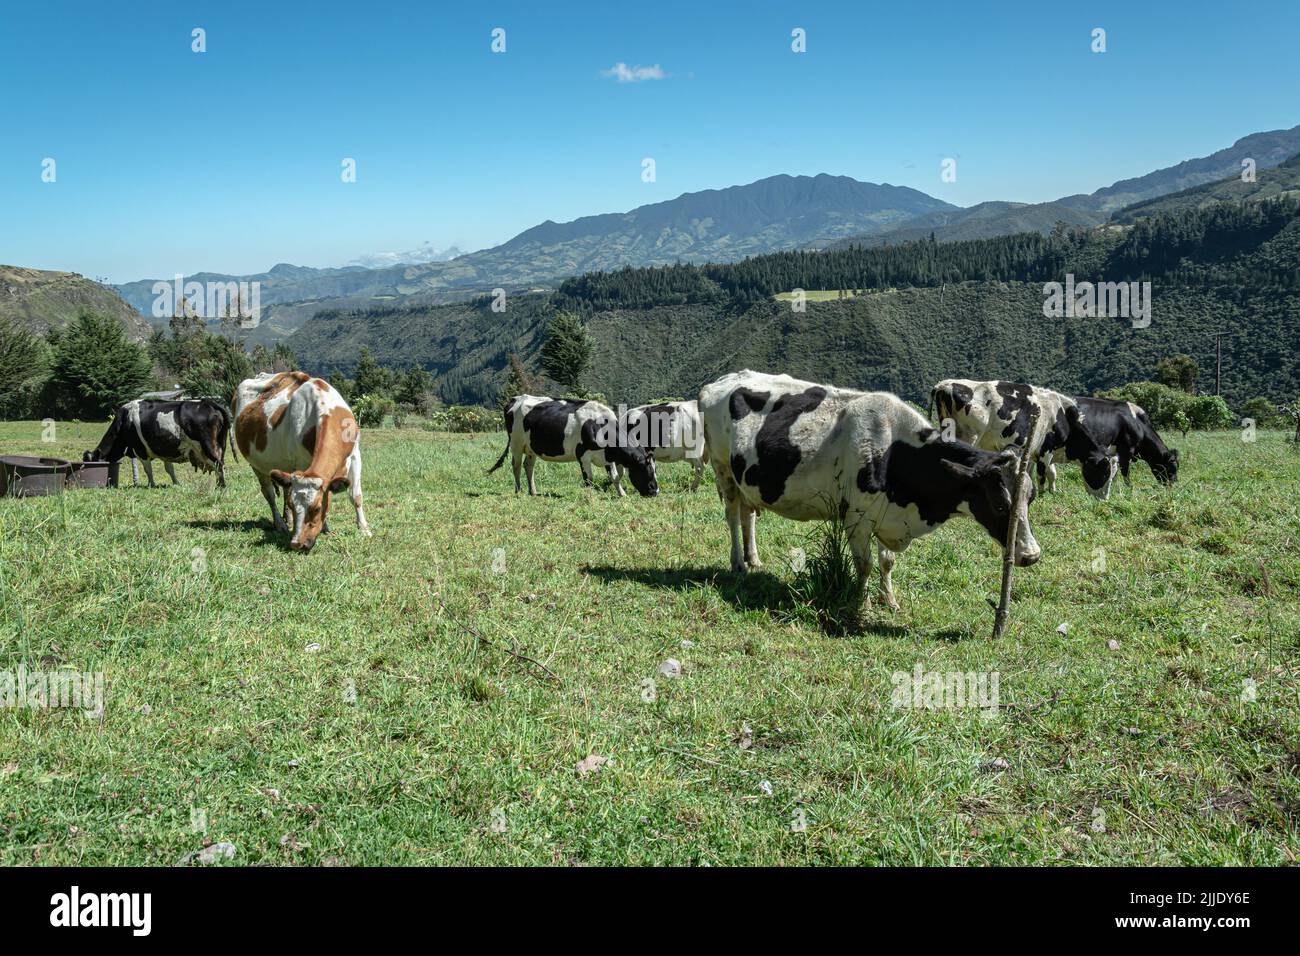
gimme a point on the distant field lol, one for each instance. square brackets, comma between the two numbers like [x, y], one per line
[404, 740]
[819, 295]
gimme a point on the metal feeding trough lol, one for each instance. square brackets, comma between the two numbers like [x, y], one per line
[25, 476]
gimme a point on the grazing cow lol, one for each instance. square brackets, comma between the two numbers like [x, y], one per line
[194, 430]
[300, 436]
[1126, 430]
[810, 452]
[673, 432]
[995, 415]
[571, 429]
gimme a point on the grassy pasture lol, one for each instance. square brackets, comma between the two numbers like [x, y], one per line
[403, 739]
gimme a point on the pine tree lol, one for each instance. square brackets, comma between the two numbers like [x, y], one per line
[518, 382]
[371, 378]
[96, 368]
[566, 356]
[22, 363]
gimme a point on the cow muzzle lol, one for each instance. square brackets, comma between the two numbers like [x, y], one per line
[1026, 558]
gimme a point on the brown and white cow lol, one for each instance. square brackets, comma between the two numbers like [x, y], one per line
[299, 435]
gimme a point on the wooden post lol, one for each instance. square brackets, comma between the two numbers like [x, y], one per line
[1003, 609]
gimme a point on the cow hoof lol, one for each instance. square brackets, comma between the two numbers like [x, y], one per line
[367, 533]
[739, 567]
[754, 563]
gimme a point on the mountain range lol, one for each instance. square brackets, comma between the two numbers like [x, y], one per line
[715, 225]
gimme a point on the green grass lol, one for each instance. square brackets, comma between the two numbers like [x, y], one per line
[1149, 753]
[819, 295]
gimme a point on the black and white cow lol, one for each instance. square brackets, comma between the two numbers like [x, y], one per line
[808, 451]
[995, 415]
[571, 429]
[1126, 430]
[194, 430]
[673, 432]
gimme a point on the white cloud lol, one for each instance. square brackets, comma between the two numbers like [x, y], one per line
[634, 74]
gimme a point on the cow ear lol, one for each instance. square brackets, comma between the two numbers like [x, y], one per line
[281, 478]
[337, 485]
[960, 470]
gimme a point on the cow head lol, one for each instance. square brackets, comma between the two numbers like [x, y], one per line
[1098, 473]
[309, 498]
[639, 463]
[1165, 468]
[990, 481]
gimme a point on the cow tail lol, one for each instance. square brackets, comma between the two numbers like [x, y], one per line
[501, 460]
[229, 416]
[227, 432]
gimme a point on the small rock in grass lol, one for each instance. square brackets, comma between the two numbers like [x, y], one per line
[1112, 644]
[312, 648]
[998, 764]
[670, 668]
[217, 851]
[745, 739]
[145, 710]
[590, 763]
[687, 644]
[765, 788]
[1063, 628]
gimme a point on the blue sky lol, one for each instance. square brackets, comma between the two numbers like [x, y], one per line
[171, 161]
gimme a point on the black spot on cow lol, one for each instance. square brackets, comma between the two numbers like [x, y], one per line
[962, 396]
[545, 425]
[738, 468]
[777, 456]
[746, 400]
[1016, 408]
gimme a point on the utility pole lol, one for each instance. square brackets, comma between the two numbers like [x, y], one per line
[1218, 359]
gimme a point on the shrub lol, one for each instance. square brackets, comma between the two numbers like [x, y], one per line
[371, 409]
[1264, 413]
[465, 418]
[1210, 411]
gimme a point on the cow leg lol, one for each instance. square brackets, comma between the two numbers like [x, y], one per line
[354, 492]
[732, 502]
[171, 472]
[1051, 476]
[616, 477]
[268, 492]
[860, 546]
[515, 461]
[887, 559]
[584, 465]
[148, 472]
[529, 463]
[698, 464]
[135, 472]
[1126, 459]
[290, 519]
[749, 519]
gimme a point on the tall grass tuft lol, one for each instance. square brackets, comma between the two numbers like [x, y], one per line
[829, 589]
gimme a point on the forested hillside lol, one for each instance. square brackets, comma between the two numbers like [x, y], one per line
[923, 311]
